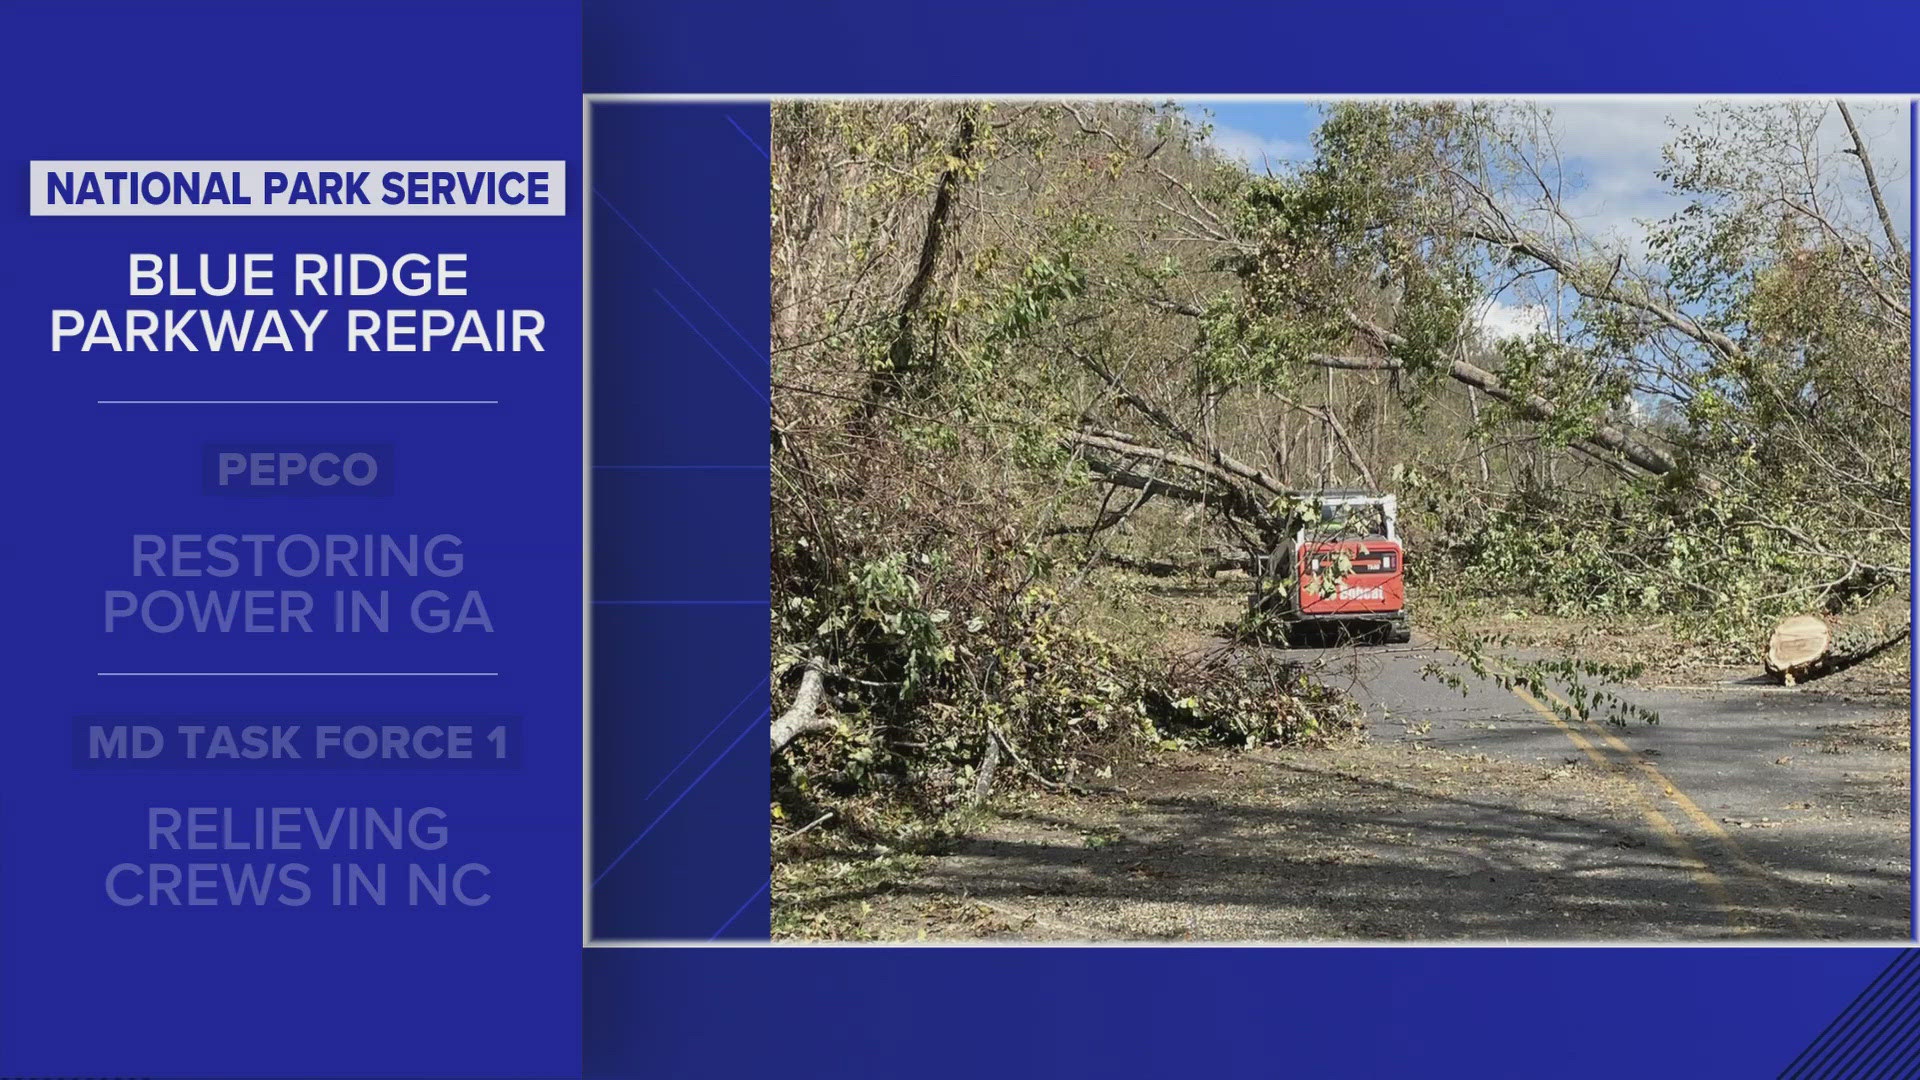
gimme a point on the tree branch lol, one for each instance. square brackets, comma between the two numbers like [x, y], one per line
[803, 716]
[1873, 181]
[1533, 406]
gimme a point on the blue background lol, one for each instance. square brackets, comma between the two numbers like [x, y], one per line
[680, 521]
[90, 988]
[1199, 1012]
[87, 988]
[1249, 46]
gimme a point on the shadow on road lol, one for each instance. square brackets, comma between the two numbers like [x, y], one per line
[1270, 849]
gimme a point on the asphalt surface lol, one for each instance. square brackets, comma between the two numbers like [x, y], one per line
[1749, 812]
[1792, 803]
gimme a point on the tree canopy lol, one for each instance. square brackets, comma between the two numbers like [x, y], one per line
[1017, 344]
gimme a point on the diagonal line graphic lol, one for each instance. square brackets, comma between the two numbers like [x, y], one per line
[708, 735]
[711, 345]
[755, 723]
[1823, 1054]
[1891, 1002]
[764, 886]
[1896, 1008]
[676, 273]
[1895, 1057]
[749, 138]
[1847, 1015]
[1904, 1053]
[1847, 1026]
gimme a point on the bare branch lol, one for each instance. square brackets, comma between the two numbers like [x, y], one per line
[1873, 181]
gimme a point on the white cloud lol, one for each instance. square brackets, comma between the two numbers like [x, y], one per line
[1609, 158]
[1499, 320]
[1612, 151]
[1254, 150]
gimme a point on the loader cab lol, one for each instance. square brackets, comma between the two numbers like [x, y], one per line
[1354, 515]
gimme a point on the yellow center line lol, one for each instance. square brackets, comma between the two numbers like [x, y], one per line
[1676, 843]
[1701, 818]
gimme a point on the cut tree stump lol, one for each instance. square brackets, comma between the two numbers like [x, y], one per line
[1806, 647]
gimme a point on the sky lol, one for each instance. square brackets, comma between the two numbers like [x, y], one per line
[1612, 145]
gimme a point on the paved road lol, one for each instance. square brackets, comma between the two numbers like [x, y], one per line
[1791, 804]
[1749, 812]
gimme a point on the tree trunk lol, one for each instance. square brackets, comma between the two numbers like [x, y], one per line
[1479, 437]
[885, 380]
[1806, 647]
[1203, 563]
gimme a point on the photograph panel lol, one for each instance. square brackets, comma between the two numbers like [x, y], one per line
[1389, 519]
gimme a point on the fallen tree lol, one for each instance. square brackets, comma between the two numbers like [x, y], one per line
[1607, 438]
[1807, 646]
[1245, 496]
[804, 716]
[1532, 406]
[1203, 563]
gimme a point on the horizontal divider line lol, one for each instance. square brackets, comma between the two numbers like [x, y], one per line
[670, 603]
[292, 673]
[282, 401]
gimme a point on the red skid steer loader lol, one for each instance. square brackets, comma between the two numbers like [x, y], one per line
[1342, 572]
